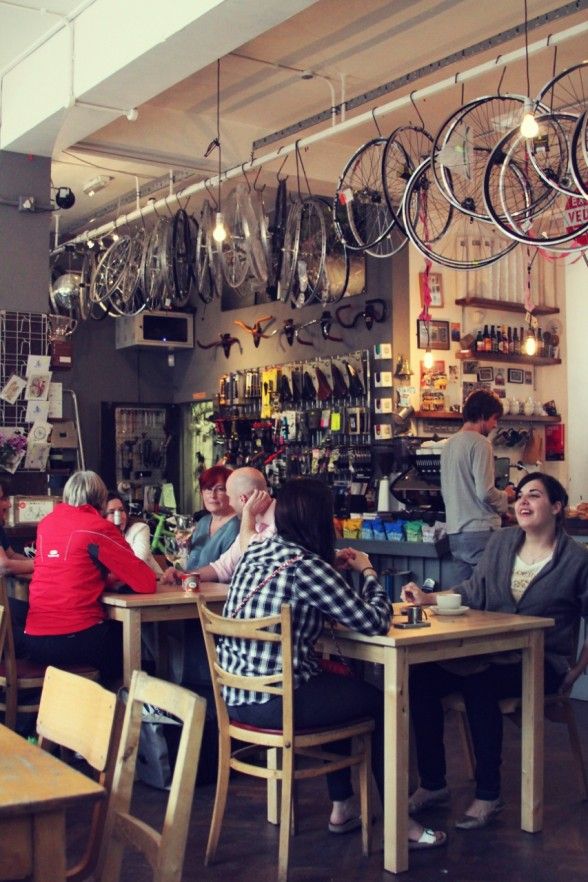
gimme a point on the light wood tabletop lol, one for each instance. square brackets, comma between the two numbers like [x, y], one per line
[36, 788]
[168, 604]
[448, 637]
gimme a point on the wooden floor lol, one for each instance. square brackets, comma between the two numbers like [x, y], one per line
[501, 852]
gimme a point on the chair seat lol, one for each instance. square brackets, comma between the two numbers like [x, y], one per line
[26, 669]
[316, 730]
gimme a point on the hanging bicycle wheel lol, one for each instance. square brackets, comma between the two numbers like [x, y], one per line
[444, 234]
[360, 209]
[579, 154]
[335, 276]
[310, 257]
[405, 149]
[276, 230]
[181, 255]
[153, 265]
[550, 152]
[463, 144]
[534, 214]
[128, 298]
[567, 92]
[289, 251]
[234, 251]
[256, 231]
[393, 242]
[110, 270]
[205, 256]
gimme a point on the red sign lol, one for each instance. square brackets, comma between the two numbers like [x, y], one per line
[576, 218]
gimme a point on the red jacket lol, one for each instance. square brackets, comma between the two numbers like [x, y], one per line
[76, 549]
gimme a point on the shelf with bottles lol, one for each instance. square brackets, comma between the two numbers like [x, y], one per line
[499, 357]
[512, 343]
[509, 417]
[503, 305]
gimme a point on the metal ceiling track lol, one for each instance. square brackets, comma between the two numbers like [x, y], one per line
[419, 73]
[363, 118]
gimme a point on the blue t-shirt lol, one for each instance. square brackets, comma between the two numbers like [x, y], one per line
[205, 548]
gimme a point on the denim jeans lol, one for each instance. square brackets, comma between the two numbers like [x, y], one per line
[466, 551]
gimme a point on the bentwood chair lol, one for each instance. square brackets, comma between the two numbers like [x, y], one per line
[164, 850]
[81, 716]
[289, 743]
[21, 680]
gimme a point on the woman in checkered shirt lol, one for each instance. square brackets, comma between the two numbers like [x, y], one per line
[297, 566]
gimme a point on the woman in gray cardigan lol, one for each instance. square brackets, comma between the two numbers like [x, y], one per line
[533, 569]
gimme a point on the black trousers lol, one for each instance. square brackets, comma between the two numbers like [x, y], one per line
[482, 693]
[328, 700]
[99, 646]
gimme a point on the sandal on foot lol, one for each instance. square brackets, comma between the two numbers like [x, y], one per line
[471, 822]
[421, 800]
[346, 827]
[428, 839]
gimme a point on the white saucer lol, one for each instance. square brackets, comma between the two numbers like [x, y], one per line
[459, 611]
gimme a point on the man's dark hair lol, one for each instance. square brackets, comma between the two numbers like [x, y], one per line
[304, 515]
[481, 405]
[555, 491]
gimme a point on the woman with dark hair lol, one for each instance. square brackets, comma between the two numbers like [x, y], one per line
[533, 569]
[299, 563]
[79, 555]
[136, 533]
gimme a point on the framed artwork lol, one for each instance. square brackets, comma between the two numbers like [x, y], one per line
[435, 289]
[432, 335]
[515, 375]
[486, 374]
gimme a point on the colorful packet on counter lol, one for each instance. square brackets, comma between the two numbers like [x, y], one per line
[414, 531]
[379, 530]
[366, 529]
[429, 533]
[351, 528]
[394, 531]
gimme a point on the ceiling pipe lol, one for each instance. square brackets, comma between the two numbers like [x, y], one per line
[348, 124]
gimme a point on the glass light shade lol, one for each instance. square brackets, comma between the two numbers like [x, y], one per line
[219, 234]
[428, 359]
[529, 126]
[530, 344]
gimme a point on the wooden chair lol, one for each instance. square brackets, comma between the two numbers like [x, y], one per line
[18, 675]
[290, 744]
[78, 714]
[164, 851]
[557, 708]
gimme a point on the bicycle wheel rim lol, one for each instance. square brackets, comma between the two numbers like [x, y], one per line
[360, 201]
[405, 149]
[579, 154]
[310, 258]
[567, 92]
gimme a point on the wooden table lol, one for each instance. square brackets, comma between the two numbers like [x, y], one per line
[35, 791]
[167, 605]
[475, 633]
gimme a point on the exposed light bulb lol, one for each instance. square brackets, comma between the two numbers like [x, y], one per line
[530, 343]
[115, 236]
[529, 127]
[90, 243]
[219, 234]
[428, 360]
[132, 114]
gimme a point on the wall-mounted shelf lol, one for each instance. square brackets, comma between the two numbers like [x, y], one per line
[531, 360]
[504, 305]
[508, 417]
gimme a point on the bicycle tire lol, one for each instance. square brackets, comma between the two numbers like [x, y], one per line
[110, 270]
[234, 250]
[276, 230]
[153, 266]
[567, 91]
[310, 258]
[463, 144]
[550, 152]
[579, 154]
[404, 151]
[337, 264]
[183, 232]
[391, 244]
[289, 251]
[436, 227]
[359, 197]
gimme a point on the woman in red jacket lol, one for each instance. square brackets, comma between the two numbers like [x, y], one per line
[79, 555]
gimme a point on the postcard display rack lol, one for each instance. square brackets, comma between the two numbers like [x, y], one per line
[25, 334]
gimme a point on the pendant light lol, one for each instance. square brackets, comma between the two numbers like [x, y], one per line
[529, 127]
[219, 233]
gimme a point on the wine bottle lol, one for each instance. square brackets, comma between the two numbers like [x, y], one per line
[487, 341]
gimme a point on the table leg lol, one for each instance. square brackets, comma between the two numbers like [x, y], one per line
[532, 735]
[396, 749]
[49, 847]
[131, 627]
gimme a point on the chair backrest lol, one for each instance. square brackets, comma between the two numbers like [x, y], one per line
[80, 715]
[164, 851]
[269, 629]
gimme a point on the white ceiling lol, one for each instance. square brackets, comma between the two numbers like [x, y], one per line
[352, 46]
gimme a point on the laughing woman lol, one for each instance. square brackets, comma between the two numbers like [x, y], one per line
[533, 569]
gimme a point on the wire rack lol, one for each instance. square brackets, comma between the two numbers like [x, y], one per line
[21, 334]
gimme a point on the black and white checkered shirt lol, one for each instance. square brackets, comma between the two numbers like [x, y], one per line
[315, 591]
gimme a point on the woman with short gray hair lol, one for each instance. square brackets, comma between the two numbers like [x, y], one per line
[79, 555]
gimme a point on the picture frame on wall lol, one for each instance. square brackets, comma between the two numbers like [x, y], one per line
[485, 374]
[515, 375]
[433, 334]
[435, 289]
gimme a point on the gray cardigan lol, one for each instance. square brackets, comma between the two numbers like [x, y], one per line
[559, 591]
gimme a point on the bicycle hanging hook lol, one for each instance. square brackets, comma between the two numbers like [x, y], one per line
[285, 178]
[255, 187]
[416, 110]
[378, 129]
[502, 76]
[211, 194]
[244, 173]
[299, 155]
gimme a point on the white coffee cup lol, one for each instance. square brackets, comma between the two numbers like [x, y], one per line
[449, 601]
